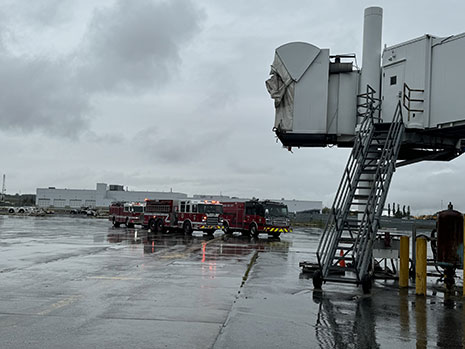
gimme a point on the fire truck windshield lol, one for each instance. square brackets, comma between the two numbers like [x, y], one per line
[137, 209]
[276, 210]
[208, 208]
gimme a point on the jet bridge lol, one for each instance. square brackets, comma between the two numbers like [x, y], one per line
[319, 97]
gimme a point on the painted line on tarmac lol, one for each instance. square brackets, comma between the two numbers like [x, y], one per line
[113, 278]
[173, 256]
[60, 304]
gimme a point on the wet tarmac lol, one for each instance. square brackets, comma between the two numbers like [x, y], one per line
[79, 283]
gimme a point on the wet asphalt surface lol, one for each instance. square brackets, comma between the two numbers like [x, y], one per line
[79, 283]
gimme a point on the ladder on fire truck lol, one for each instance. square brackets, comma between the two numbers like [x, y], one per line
[347, 241]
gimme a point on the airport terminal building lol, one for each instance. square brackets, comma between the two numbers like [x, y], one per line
[104, 195]
[101, 197]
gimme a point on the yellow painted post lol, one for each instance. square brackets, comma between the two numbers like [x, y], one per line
[420, 268]
[404, 260]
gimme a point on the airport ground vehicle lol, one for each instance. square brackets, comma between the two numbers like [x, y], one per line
[188, 215]
[254, 217]
[12, 210]
[127, 213]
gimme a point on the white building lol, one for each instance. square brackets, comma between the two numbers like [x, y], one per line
[302, 205]
[102, 196]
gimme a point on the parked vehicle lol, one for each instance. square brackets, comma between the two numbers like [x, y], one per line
[84, 210]
[254, 217]
[12, 210]
[127, 213]
[187, 215]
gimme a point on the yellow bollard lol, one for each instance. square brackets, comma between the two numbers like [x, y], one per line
[404, 261]
[420, 268]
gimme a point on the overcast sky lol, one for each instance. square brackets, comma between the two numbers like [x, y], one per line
[170, 94]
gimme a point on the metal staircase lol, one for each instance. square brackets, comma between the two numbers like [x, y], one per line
[347, 241]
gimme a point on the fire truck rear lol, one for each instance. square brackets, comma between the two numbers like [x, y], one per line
[185, 215]
[127, 213]
[254, 217]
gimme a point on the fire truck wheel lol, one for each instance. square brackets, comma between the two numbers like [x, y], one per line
[187, 228]
[253, 230]
[152, 226]
[226, 228]
[115, 223]
[159, 226]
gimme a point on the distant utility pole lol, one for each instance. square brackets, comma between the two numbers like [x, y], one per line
[3, 189]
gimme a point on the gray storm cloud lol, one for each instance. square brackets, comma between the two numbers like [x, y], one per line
[129, 46]
[136, 44]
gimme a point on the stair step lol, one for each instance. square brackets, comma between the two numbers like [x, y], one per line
[368, 180]
[353, 219]
[357, 212]
[382, 126]
[358, 203]
[368, 171]
[346, 248]
[346, 258]
[353, 224]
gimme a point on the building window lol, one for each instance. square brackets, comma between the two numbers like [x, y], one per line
[394, 80]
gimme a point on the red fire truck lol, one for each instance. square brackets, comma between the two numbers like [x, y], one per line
[127, 213]
[254, 217]
[188, 215]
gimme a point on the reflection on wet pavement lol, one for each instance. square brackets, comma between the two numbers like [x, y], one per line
[341, 323]
[213, 247]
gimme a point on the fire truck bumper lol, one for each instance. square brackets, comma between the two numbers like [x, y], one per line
[210, 227]
[277, 230]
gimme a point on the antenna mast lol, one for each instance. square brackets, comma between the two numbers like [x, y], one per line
[2, 197]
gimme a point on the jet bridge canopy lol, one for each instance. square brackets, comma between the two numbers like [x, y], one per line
[315, 98]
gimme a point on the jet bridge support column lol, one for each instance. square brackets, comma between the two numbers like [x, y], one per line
[371, 73]
[371, 55]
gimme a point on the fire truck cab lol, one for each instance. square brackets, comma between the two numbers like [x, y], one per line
[185, 215]
[127, 213]
[254, 217]
[204, 215]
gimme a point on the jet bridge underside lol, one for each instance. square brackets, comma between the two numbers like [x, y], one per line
[417, 145]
